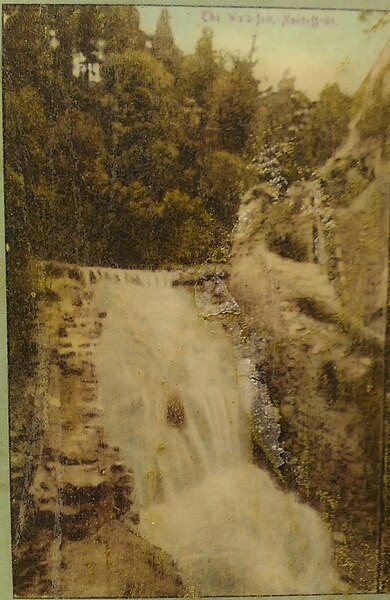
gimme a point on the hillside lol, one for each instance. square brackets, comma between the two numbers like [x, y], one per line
[310, 276]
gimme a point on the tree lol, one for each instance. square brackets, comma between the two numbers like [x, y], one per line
[122, 170]
[281, 115]
[27, 54]
[142, 112]
[281, 112]
[325, 128]
[220, 178]
[118, 28]
[77, 173]
[233, 108]
[186, 230]
[163, 44]
[199, 71]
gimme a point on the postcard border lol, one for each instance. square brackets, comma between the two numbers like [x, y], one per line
[6, 589]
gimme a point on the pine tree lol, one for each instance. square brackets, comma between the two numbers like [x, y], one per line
[233, 108]
[163, 44]
[200, 70]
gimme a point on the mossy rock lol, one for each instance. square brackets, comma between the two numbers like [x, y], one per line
[175, 414]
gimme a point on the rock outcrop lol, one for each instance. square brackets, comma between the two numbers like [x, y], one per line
[309, 274]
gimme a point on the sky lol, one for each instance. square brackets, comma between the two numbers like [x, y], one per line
[315, 46]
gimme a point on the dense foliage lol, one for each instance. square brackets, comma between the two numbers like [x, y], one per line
[121, 150]
[108, 156]
[294, 135]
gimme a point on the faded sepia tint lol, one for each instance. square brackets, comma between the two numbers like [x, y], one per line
[197, 265]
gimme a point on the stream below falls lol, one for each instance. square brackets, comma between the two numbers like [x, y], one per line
[168, 382]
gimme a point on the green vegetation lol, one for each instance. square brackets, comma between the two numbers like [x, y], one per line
[325, 128]
[137, 157]
[99, 155]
[131, 155]
[122, 151]
[294, 136]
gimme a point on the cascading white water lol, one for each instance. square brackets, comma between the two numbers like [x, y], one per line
[168, 381]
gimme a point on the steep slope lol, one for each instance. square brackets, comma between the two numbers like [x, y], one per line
[310, 276]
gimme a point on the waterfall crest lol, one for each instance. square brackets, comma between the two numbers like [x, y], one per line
[168, 380]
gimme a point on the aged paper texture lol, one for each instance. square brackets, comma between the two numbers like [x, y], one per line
[196, 233]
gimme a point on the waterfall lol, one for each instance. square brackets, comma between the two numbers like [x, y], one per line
[168, 381]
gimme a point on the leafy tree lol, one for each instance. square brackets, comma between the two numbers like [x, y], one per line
[186, 231]
[27, 55]
[220, 178]
[118, 28]
[86, 44]
[281, 112]
[199, 71]
[294, 135]
[233, 108]
[375, 118]
[142, 111]
[64, 21]
[24, 135]
[76, 171]
[280, 117]
[325, 128]
[134, 223]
